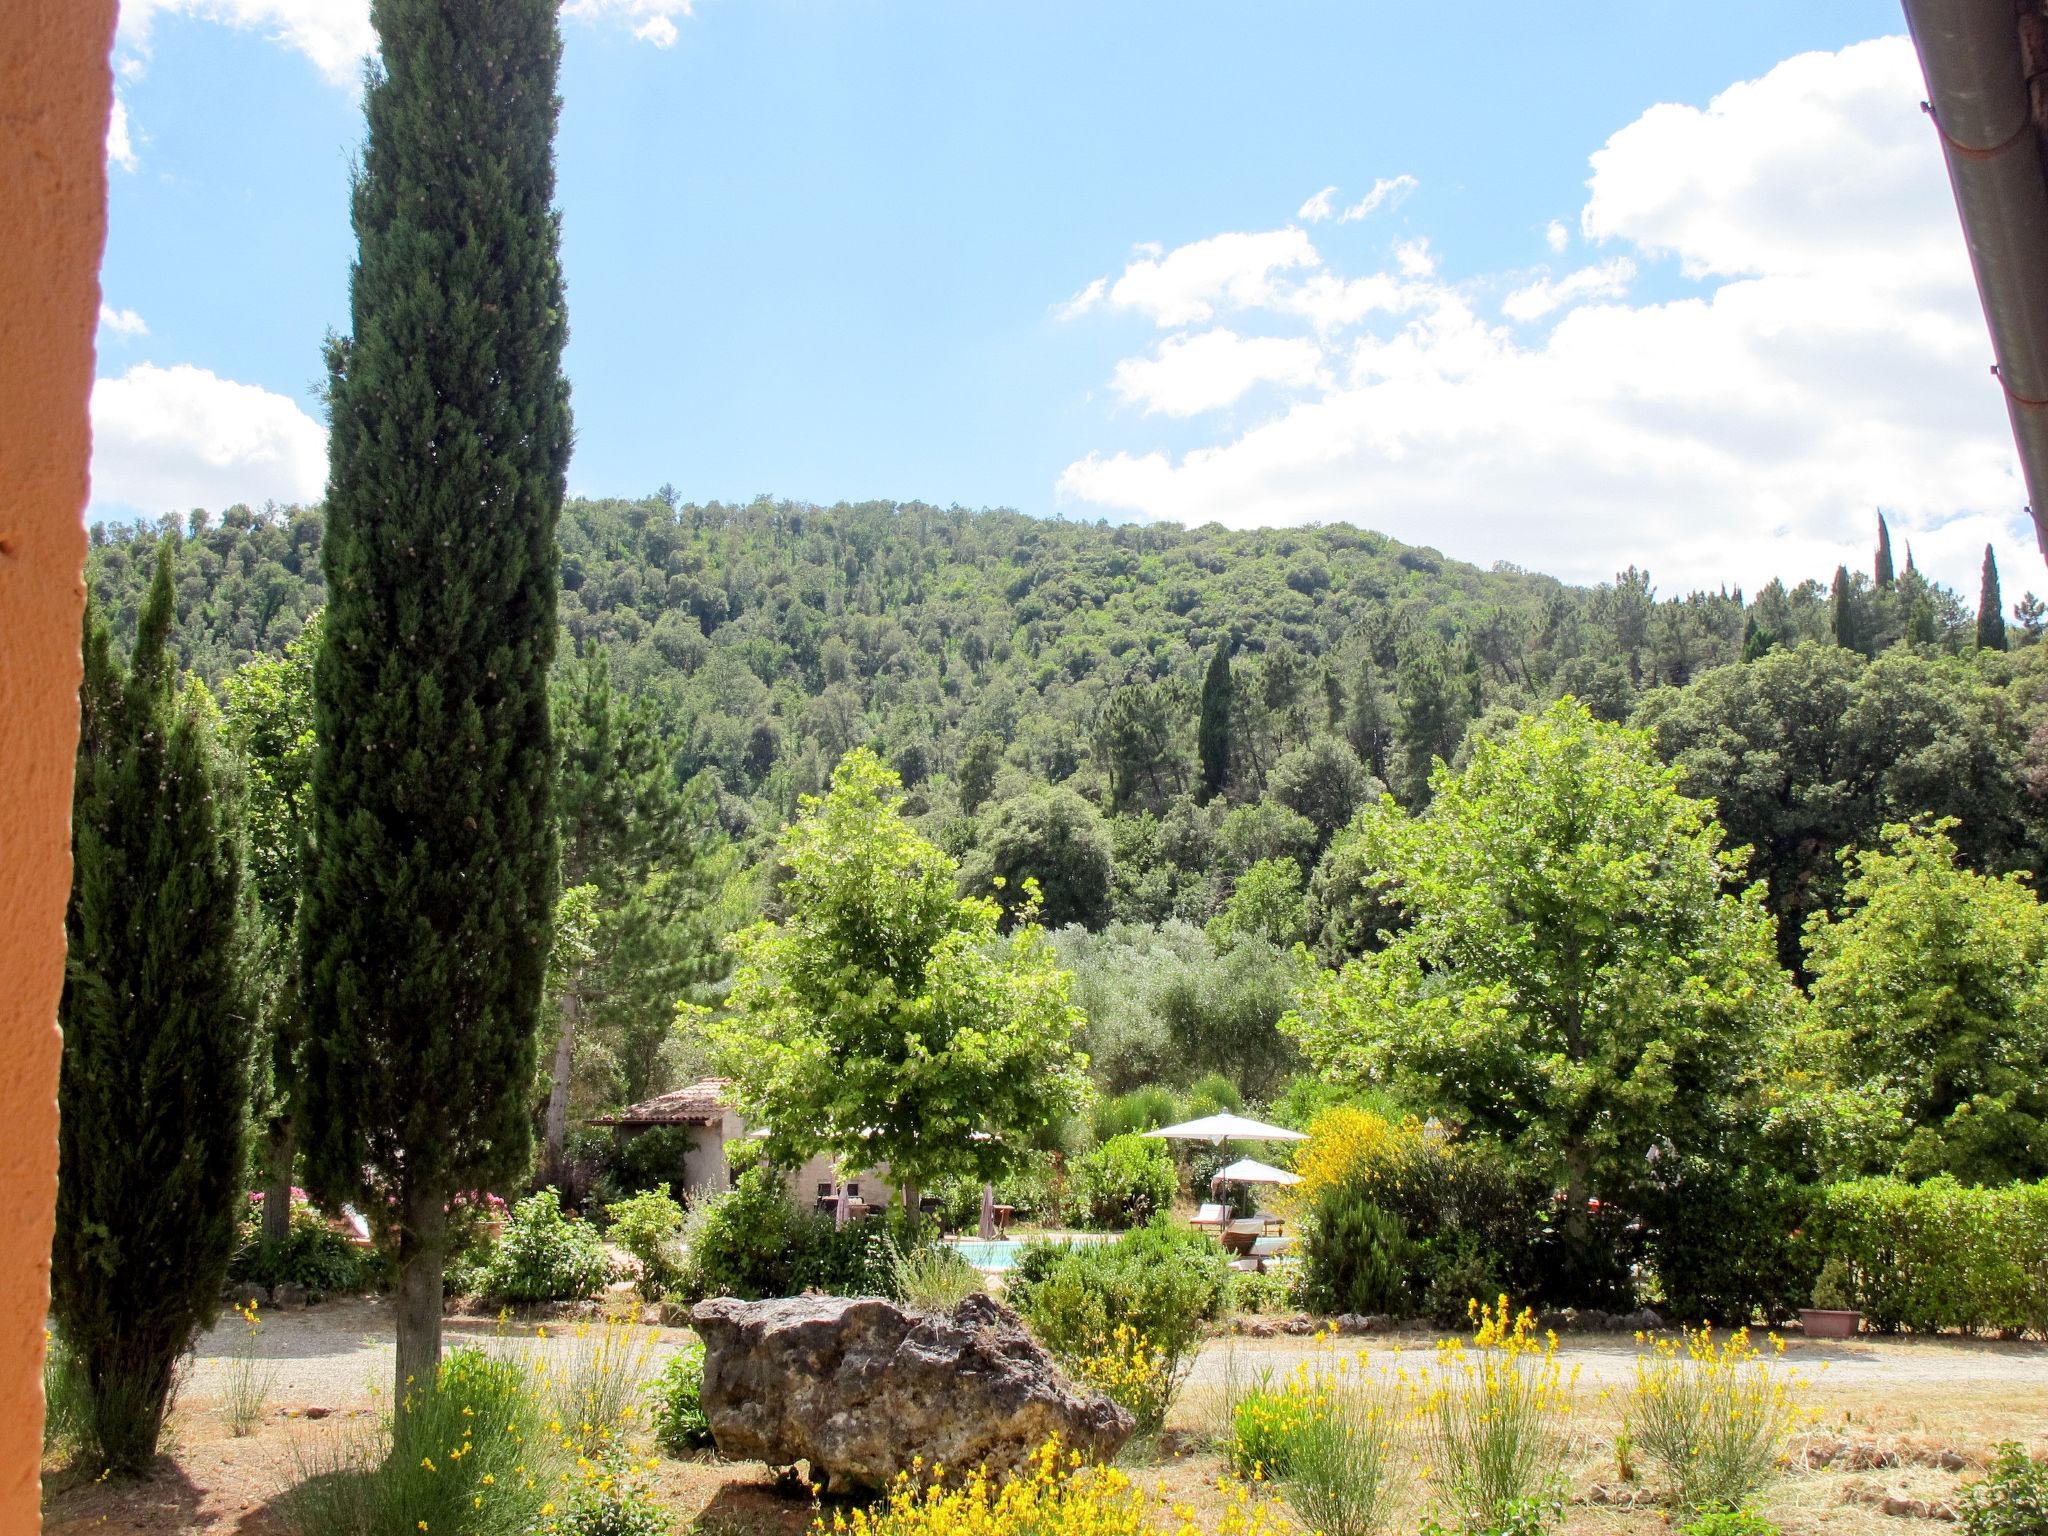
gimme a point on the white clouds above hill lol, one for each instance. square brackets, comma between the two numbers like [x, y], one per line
[1824, 355]
[170, 439]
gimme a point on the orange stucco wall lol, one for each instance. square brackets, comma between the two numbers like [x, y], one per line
[55, 94]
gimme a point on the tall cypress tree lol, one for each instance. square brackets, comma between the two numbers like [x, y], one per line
[1884, 554]
[427, 910]
[1990, 608]
[1212, 730]
[1842, 607]
[154, 1080]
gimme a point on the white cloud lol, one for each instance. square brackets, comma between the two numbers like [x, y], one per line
[169, 439]
[120, 147]
[1083, 301]
[1192, 374]
[1317, 208]
[334, 34]
[1609, 280]
[652, 21]
[123, 322]
[1557, 235]
[1228, 271]
[1387, 192]
[1828, 357]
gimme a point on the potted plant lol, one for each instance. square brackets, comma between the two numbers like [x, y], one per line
[1833, 1314]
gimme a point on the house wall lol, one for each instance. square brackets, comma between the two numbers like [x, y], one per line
[55, 93]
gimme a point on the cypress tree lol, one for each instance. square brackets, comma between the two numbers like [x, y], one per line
[154, 1082]
[1842, 604]
[1990, 609]
[1884, 554]
[1212, 730]
[426, 918]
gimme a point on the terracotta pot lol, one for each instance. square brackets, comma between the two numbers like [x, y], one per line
[1829, 1322]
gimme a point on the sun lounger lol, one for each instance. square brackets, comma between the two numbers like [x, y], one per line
[1209, 1217]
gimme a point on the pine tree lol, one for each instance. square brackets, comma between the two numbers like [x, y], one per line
[1884, 554]
[1212, 734]
[426, 917]
[1990, 609]
[154, 1082]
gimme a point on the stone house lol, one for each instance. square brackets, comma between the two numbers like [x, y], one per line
[716, 1130]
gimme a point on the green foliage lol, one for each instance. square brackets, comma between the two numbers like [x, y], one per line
[1050, 836]
[1125, 1181]
[1725, 1242]
[1728, 1522]
[934, 1278]
[675, 1397]
[1266, 903]
[1163, 1282]
[1128, 1114]
[1941, 1255]
[1579, 981]
[883, 1019]
[1811, 751]
[67, 1399]
[649, 1226]
[1212, 732]
[154, 1079]
[311, 1254]
[1931, 993]
[651, 1160]
[546, 1255]
[752, 1241]
[429, 896]
[1263, 1292]
[2010, 1500]
[1324, 783]
[618, 1505]
[1356, 1256]
[1990, 607]
[487, 1463]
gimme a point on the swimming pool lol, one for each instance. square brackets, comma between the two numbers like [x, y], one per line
[1001, 1253]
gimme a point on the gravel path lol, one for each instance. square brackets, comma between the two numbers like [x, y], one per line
[340, 1355]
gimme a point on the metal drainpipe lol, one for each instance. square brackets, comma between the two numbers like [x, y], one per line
[1978, 98]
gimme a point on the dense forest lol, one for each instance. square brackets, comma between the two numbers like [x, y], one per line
[1170, 729]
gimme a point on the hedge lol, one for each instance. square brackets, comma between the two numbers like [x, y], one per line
[1942, 1255]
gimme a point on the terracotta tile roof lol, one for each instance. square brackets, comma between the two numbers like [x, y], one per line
[702, 1103]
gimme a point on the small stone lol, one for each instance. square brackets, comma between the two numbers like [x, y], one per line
[1647, 1321]
[1300, 1327]
[1351, 1323]
[247, 1293]
[315, 1413]
[286, 1293]
[1556, 1321]
[1952, 1461]
[1258, 1328]
[1591, 1320]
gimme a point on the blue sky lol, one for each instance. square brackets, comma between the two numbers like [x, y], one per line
[1071, 258]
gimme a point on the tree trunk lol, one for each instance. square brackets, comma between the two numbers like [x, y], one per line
[556, 1132]
[909, 1190]
[422, 1255]
[281, 1147]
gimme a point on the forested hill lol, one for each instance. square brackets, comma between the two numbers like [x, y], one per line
[995, 659]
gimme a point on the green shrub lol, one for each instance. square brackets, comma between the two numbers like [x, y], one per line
[1266, 1424]
[1127, 1114]
[676, 1399]
[67, 1402]
[1728, 1522]
[479, 1461]
[1125, 1181]
[1161, 1281]
[648, 1226]
[1356, 1255]
[651, 1160]
[1724, 1245]
[753, 1241]
[934, 1278]
[311, 1254]
[1940, 1255]
[1457, 1269]
[2010, 1500]
[1272, 1291]
[545, 1255]
[613, 1500]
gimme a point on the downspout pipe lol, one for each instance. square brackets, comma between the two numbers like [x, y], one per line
[1978, 98]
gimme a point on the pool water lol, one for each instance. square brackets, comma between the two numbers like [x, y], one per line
[1001, 1253]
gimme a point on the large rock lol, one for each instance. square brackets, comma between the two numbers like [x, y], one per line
[859, 1387]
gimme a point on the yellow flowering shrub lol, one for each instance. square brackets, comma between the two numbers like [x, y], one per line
[1325, 1436]
[1349, 1146]
[1714, 1415]
[1497, 1416]
[1134, 1375]
[1055, 1494]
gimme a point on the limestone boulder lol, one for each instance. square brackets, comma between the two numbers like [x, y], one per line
[858, 1388]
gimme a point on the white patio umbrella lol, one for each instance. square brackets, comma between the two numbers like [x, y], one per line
[1217, 1129]
[1249, 1171]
